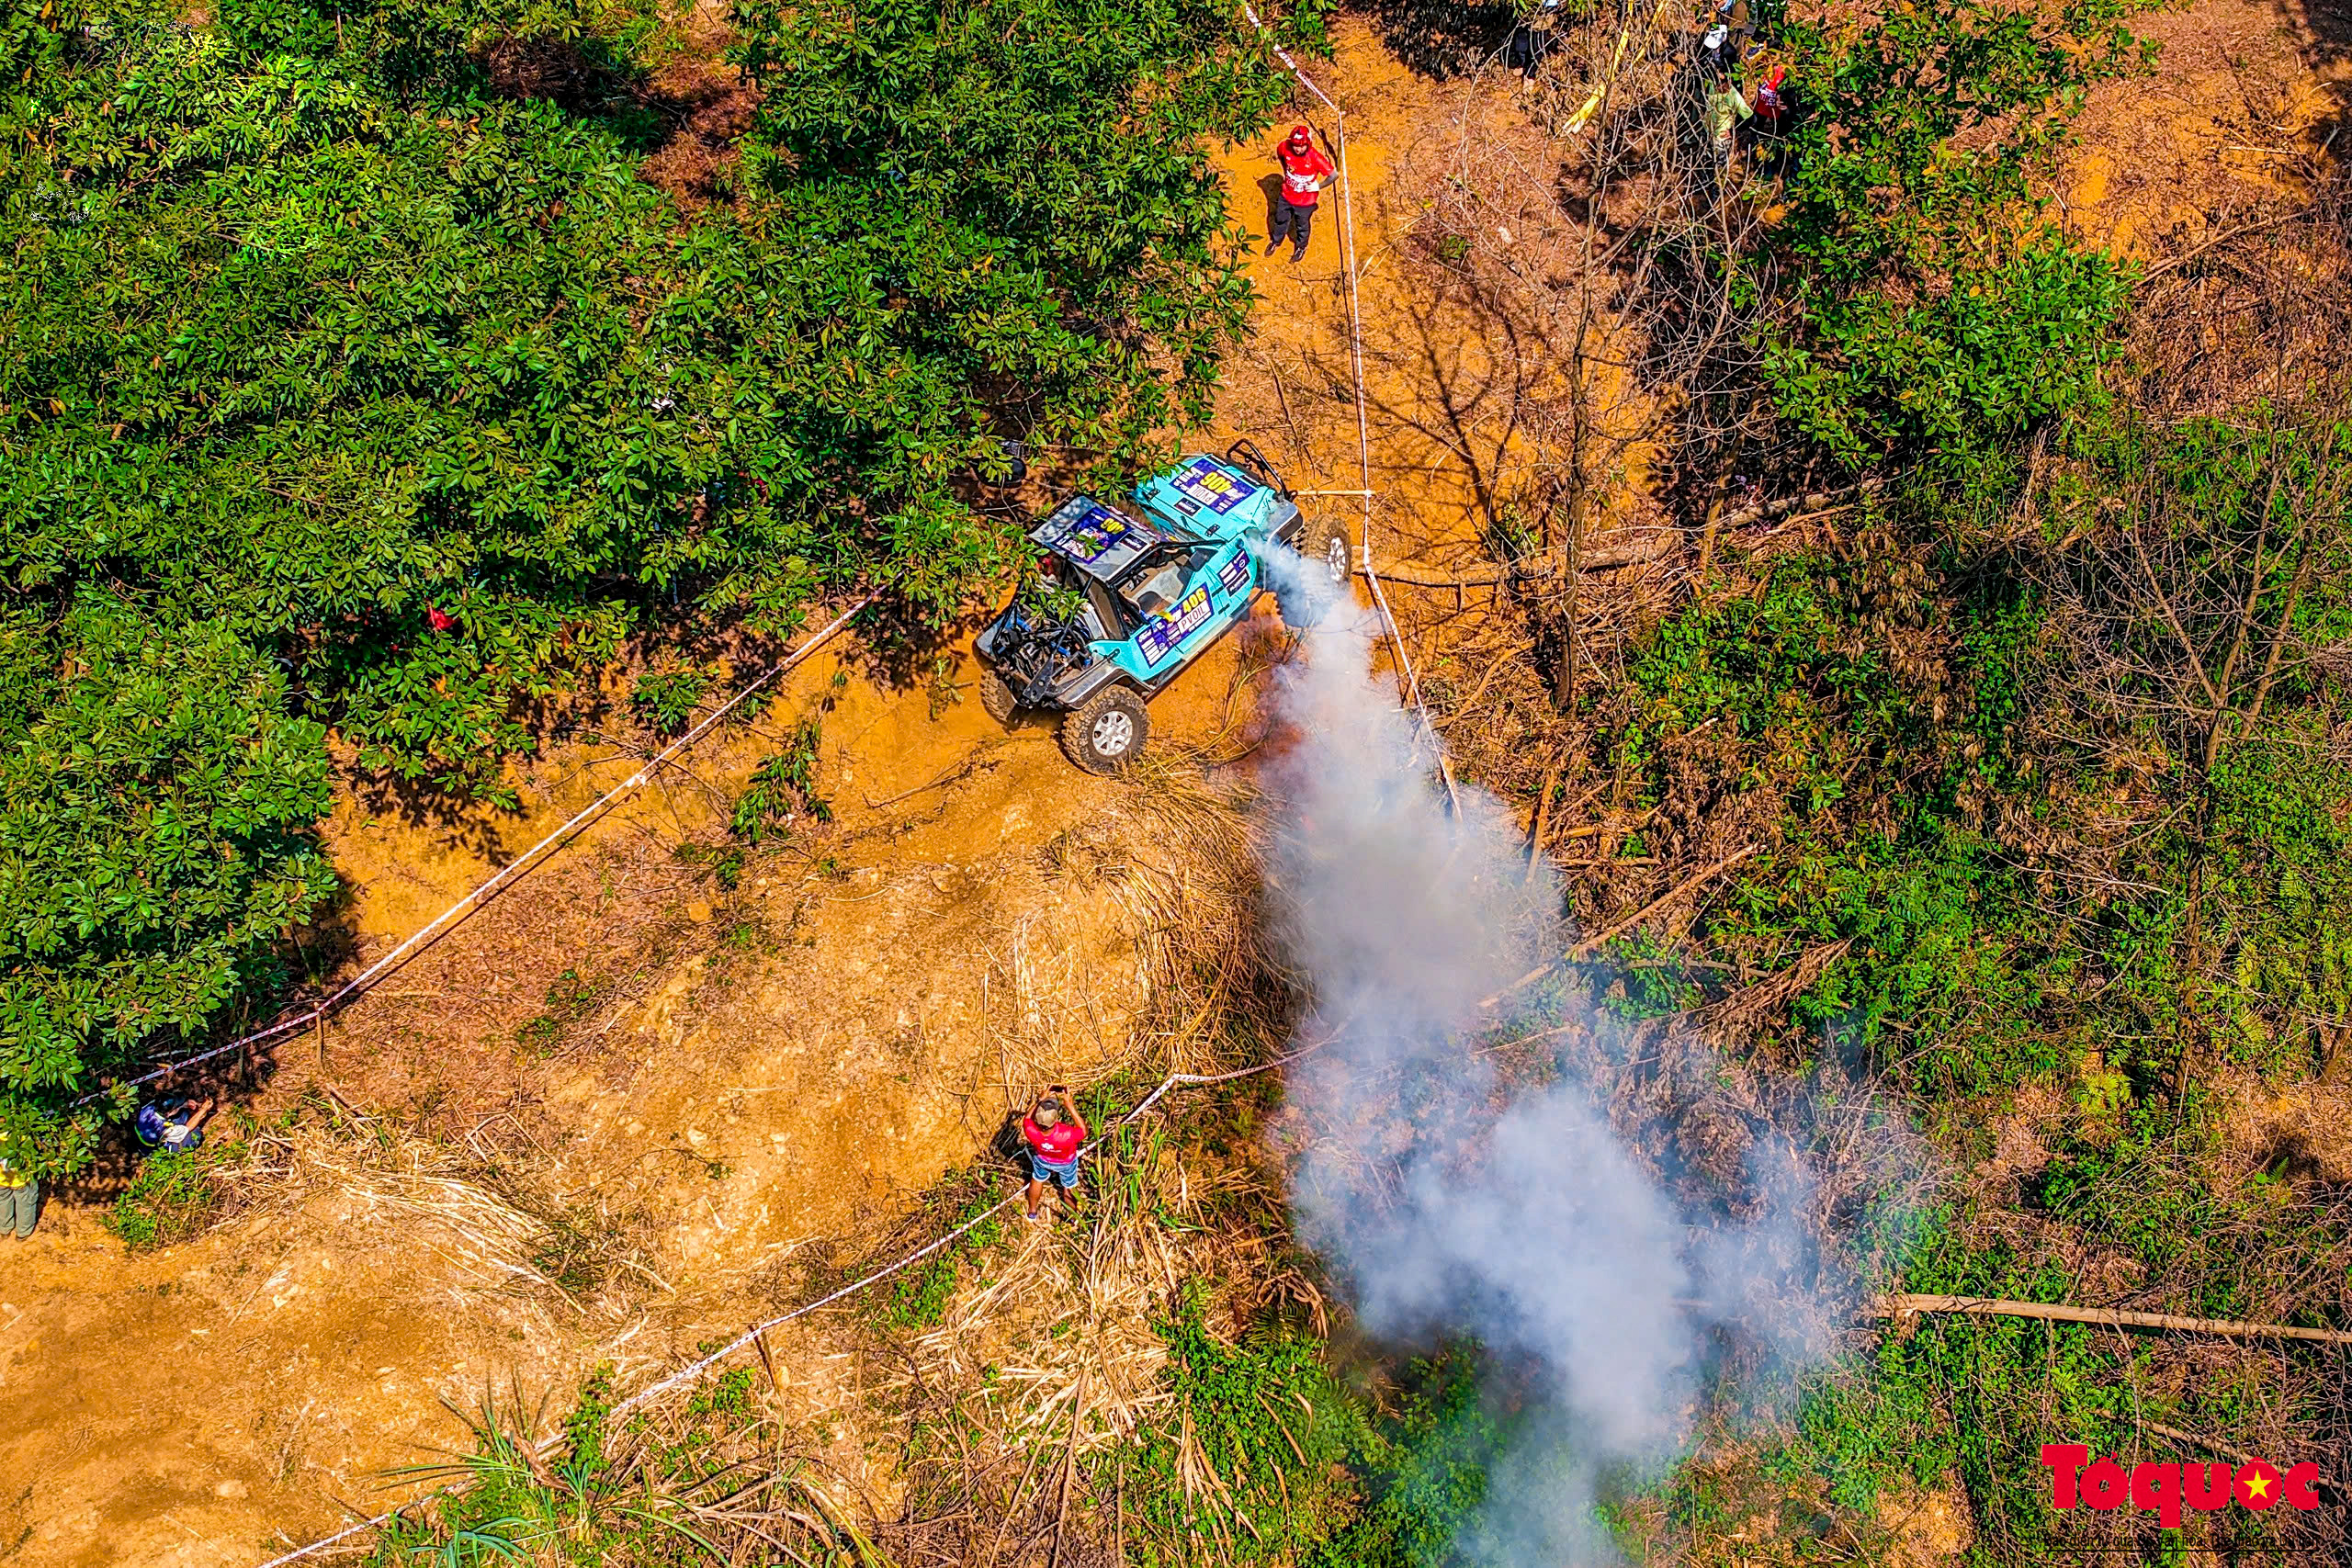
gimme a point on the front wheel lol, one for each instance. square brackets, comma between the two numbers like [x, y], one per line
[1106, 733]
[996, 695]
[1330, 562]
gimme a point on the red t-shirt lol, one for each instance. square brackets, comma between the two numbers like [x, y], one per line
[1300, 171]
[1058, 1142]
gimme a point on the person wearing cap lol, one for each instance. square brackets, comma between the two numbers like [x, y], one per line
[1054, 1132]
[1771, 97]
[173, 1123]
[1304, 171]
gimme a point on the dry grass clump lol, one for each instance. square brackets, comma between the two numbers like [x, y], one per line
[723, 1479]
[1054, 1356]
[1064, 1331]
[1180, 860]
[495, 1226]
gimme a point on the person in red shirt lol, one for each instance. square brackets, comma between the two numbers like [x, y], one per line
[1304, 171]
[1055, 1134]
[1771, 99]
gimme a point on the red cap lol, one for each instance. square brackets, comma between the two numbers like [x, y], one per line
[1300, 134]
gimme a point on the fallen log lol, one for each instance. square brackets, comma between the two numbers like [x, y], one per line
[1903, 1307]
[1814, 501]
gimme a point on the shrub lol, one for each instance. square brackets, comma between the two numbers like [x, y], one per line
[782, 785]
[1263, 1415]
[1931, 314]
[171, 1199]
[666, 700]
[156, 803]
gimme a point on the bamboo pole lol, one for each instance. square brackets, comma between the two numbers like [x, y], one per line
[1904, 1307]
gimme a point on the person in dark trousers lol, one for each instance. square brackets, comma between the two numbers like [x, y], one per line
[1304, 170]
[1724, 33]
[173, 1123]
[1532, 37]
[1054, 1133]
[19, 1193]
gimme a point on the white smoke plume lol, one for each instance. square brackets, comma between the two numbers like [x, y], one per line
[1450, 1200]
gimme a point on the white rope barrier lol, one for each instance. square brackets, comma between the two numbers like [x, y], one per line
[693, 1370]
[1348, 261]
[442, 923]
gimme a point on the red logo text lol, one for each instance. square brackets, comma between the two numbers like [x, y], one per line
[2164, 1489]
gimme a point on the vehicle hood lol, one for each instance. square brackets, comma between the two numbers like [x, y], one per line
[1207, 498]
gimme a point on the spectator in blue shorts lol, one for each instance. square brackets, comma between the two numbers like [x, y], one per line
[1054, 1135]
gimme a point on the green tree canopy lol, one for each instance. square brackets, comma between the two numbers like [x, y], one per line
[381, 399]
[1929, 305]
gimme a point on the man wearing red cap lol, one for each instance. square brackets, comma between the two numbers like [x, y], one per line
[1304, 171]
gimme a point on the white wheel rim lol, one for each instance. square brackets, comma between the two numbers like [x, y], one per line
[1113, 733]
[1335, 559]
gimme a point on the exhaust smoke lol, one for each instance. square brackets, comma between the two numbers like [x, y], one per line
[1452, 1200]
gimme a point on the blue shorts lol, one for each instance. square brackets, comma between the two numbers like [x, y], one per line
[1064, 1171]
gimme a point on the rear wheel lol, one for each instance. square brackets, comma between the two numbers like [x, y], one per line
[1331, 562]
[1106, 733]
[996, 695]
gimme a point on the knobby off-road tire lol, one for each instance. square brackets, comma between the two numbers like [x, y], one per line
[1332, 562]
[996, 695]
[1106, 733]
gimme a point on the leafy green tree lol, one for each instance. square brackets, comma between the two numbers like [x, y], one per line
[156, 803]
[383, 397]
[1929, 306]
[1022, 185]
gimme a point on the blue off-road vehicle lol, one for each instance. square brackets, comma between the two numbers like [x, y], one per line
[1125, 600]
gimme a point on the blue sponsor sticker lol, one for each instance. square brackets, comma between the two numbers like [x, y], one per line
[1234, 575]
[1158, 639]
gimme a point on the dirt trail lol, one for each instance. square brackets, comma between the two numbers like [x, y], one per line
[2246, 94]
[771, 1067]
[1441, 388]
